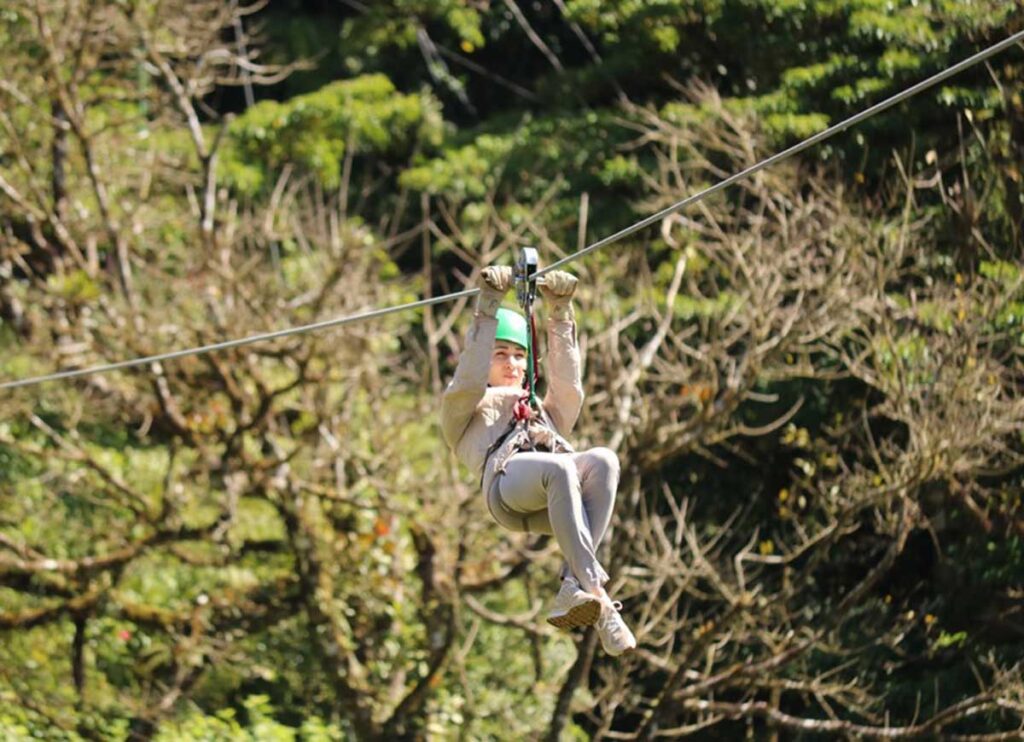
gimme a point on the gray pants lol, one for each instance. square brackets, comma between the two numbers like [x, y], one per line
[568, 495]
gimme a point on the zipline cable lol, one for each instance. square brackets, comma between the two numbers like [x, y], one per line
[688, 201]
[235, 343]
[810, 142]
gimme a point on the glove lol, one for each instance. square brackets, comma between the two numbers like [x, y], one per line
[495, 281]
[557, 285]
[557, 288]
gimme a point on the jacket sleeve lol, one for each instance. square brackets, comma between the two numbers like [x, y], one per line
[564, 397]
[469, 384]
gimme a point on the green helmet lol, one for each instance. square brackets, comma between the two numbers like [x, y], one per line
[511, 327]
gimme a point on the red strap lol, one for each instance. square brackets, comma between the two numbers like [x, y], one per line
[522, 410]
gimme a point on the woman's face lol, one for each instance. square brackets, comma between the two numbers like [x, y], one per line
[508, 364]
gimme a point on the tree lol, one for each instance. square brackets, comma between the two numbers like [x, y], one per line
[813, 379]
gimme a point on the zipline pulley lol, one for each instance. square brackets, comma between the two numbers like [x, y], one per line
[526, 284]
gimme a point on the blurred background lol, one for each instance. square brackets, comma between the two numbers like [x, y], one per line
[813, 379]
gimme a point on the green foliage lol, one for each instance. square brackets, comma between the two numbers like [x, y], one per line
[945, 640]
[468, 172]
[689, 308]
[259, 725]
[813, 60]
[522, 162]
[313, 132]
[75, 288]
[307, 476]
[1006, 273]
[395, 22]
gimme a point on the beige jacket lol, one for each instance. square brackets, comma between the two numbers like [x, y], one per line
[474, 416]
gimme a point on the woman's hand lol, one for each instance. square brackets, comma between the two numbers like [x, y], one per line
[496, 278]
[557, 285]
[495, 281]
[557, 288]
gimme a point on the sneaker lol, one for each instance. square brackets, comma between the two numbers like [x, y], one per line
[574, 607]
[616, 637]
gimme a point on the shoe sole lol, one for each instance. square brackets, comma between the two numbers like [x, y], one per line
[623, 653]
[584, 614]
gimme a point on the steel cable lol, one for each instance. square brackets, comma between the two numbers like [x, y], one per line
[646, 222]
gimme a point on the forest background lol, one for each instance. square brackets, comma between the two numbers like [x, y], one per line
[813, 380]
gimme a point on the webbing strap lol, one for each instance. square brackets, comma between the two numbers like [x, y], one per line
[526, 292]
[532, 370]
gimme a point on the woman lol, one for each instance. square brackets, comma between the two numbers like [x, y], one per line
[532, 478]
